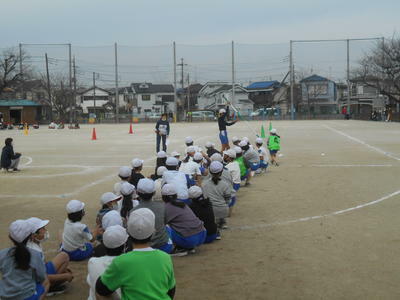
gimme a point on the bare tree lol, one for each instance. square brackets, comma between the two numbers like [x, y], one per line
[10, 75]
[380, 69]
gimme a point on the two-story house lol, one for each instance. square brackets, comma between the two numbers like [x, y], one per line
[318, 95]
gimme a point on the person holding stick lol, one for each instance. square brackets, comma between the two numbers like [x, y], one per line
[222, 123]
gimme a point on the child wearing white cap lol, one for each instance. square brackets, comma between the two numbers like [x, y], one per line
[57, 269]
[114, 239]
[158, 183]
[144, 273]
[176, 178]
[160, 239]
[251, 159]
[219, 192]
[191, 168]
[128, 202]
[203, 209]
[125, 174]
[23, 272]
[234, 170]
[274, 145]
[136, 175]
[262, 152]
[222, 123]
[240, 160]
[211, 149]
[184, 228]
[109, 201]
[76, 236]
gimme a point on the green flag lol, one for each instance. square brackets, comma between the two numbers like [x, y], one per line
[262, 132]
[270, 126]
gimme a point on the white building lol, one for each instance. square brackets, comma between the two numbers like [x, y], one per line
[95, 99]
[215, 95]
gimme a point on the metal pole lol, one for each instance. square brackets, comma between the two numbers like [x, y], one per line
[94, 94]
[188, 92]
[74, 93]
[21, 71]
[116, 85]
[70, 65]
[48, 87]
[291, 69]
[175, 97]
[348, 76]
[233, 74]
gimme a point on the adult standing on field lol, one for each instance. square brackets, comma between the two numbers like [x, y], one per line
[162, 131]
[222, 123]
[9, 159]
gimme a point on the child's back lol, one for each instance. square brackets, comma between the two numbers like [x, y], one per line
[75, 235]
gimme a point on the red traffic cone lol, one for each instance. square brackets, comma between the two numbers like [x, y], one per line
[94, 137]
[130, 129]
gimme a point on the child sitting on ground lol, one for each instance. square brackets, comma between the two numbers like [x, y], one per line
[109, 202]
[76, 236]
[125, 174]
[56, 269]
[262, 152]
[136, 175]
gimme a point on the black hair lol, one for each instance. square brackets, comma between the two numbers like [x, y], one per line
[105, 206]
[171, 168]
[245, 148]
[124, 178]
[173, 199]
[202, 201]
[216, 177]
[145, 196]
[239, 154]
[127, 205]
[144, 241]
[116, 251]
[76, 216]
[160, 162]
[186, 158]
[8, 141]
[138, 169]
[22, 255]
[164, 114]
[189, 144]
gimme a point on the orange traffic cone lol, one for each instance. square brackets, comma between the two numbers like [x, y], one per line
[94, 137]
[130, 129]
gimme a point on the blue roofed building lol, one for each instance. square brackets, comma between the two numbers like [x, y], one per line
[267, 94]
[18, 111]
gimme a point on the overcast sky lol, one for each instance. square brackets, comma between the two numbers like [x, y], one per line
[159, 22]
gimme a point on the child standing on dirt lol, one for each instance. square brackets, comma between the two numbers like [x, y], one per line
[76, 236]
[274, 145]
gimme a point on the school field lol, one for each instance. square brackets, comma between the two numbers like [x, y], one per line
[323, 225]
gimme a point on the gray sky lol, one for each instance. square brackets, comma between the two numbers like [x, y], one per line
[151, 23]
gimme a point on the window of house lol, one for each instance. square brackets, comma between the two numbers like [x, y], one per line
[315, 90]
[145, 97]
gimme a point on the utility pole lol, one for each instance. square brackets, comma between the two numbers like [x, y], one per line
[182, 65]
[48, 87]
[348, 77]
[291, 70]
[175, 97]
[233, 74]
[94, 94]
[188, 92]
[21, 71]
[74, 93]
[63, 98]
[116, 85]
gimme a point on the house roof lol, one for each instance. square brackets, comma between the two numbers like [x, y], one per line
[18, 102]
[314, 78]
[262, 85]
[91, 88]
[152, 88]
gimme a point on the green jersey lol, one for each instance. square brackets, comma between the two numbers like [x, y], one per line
[147, 274]
[274, 142]
[242, 166]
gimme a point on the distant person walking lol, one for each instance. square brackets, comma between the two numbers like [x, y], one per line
[162, 131]
[9, 159]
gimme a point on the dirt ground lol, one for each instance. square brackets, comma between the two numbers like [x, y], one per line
[322, 225]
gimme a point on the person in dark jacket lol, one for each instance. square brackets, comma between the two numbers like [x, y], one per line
[162, 131]
[222, 123]
[9, 159]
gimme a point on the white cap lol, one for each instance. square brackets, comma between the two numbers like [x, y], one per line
[146, 186]
[222, 111]
[172, 161]
[19, 230]
[74, 206]
[245, 138]
[273, 130]
[209, 145]
[235, 139]
[216, 167]
[190, 149]
[161, 154]
[161, 170]
[141, 223]
[198, 156]
[175, 153]
[259, 141]
[188, 140]
[195, 192]
[243, 143]
[168, 190]
[115, 236]
[216, 157]
[136, 162]
[111, 218]
[238, 150]
[108, 197]
[127, 188]
[231, 153]
[125, 172]
[37, 223]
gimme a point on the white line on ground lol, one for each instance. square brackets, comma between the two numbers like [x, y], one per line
[351, 166]
[339, 212]
[29, 160]
[363, 143]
